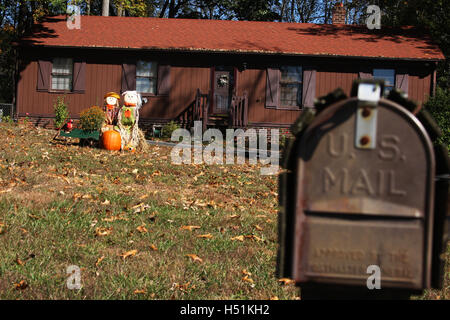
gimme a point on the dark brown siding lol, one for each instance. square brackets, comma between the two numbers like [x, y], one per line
[328, 81]
[419, 87]
[254, 82]
[191, 71]
[100, 79]
[105, 77]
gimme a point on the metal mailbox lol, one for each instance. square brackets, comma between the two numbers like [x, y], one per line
[363, 196]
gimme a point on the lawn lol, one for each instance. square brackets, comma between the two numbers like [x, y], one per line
[137, 226]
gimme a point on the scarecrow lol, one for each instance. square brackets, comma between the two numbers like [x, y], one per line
[127, 122]
[111, 109]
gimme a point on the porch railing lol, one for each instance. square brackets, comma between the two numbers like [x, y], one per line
[238, 111]
[197, 110]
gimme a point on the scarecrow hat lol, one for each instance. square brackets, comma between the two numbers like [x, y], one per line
[112, 94]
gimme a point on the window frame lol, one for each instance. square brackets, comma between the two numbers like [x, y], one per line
[394, 79]
[69, 75]
[299, 84]
[154, 77]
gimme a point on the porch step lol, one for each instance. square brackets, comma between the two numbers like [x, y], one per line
[218, 120]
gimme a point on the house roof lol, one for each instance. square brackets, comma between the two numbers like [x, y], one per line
[235, 37]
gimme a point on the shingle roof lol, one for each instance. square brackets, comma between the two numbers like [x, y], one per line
[235, 36]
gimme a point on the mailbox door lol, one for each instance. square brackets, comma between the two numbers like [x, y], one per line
[359, 207]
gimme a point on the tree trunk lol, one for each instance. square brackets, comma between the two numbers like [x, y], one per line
[105, 8]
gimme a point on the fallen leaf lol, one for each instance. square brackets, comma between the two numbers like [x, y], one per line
[141, 291]
[286, 281]
[182, 287]
[247, 279]
[258, 228]
[245, 272]
[101, 232]
[106, 202]
[99, 260]
[114, 218]
[195, 257]
[21, 285]
[153, 247]
[7, 190]
[239, 238]
[257, 238]
[190, 228]
[141, 207]
[20, 262]
[129, 254]
[205, 236]
[274, 298]
[142, 229]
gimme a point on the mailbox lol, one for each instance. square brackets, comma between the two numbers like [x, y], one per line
[359, 192]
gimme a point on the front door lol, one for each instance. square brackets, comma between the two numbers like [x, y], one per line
[222, 89]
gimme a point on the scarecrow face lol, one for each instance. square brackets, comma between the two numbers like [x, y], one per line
[111, 101]
[131, 98]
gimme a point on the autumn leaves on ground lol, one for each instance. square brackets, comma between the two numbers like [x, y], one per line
[137, 226]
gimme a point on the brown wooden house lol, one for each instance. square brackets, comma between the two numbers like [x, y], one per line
[234, 73]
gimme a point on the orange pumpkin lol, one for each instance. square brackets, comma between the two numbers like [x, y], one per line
[111, 140]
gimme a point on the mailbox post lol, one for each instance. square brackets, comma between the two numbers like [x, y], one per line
[357, 211]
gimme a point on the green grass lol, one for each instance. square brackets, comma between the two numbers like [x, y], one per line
[54, 197]
[59, 195]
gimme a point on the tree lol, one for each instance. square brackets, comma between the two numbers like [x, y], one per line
[439, 107]
[105, 8]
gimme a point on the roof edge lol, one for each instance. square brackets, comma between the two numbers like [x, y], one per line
[247, 52]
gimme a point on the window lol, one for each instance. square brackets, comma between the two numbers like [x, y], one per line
[291, 86]
[146, 77]
[388, 75]
[62, 72]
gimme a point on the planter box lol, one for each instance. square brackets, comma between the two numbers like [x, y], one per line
[82, 134]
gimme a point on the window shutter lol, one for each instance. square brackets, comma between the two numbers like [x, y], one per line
[128, 76]
[273, 88]
[44, 73]
[365, 75]
[309, 87]
[163, 80]
[79, 76]
[401, 81]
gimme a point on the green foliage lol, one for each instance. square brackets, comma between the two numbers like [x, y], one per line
[254, 10]
[7, 119]
[92, 119]
[169, 128]
[439, 107]
[61, 112]
[135, 8]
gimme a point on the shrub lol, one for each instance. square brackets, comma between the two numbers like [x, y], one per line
[92, 119]
[61, 112]
[7, 119]
[169, 128]
[439, 107]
